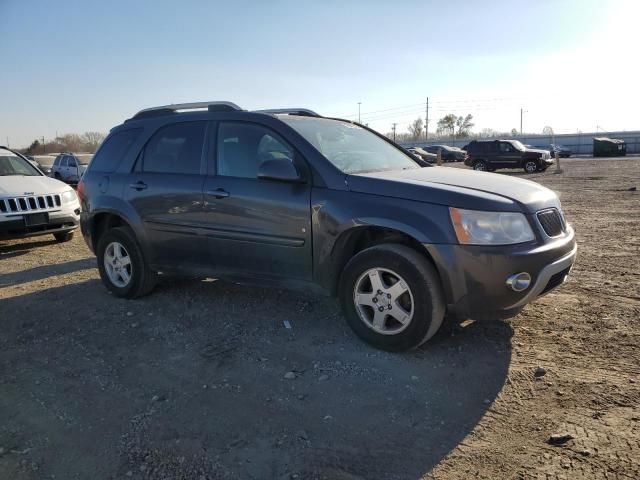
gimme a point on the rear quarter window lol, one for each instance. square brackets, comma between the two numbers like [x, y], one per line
[113, 150]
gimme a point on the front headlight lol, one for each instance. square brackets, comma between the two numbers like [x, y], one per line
[69, 196]
[474, 227]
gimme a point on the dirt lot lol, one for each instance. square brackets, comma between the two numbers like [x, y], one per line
[189, 382]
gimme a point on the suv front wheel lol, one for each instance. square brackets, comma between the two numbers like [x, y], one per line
[391, 297]
[122, 266]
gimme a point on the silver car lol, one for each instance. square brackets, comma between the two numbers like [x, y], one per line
[69, 167]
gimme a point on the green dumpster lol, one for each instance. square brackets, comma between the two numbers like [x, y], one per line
[609, 147]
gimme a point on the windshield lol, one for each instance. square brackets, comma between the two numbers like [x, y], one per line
[11, 164]
[352, 149]
[518, 145]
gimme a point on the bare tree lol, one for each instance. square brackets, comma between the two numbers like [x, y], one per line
[415, 129]
[457, 126]
[91, 140]
[447, 124]
[464, 125]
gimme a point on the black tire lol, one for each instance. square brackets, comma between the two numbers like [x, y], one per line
[63, 236]
[530, 166]
[143, 279]
[490, 169]
[422, 280]
[480, 166]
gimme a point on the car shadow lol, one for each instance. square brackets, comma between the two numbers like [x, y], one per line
[23, 246]
[44, 271]
[207, 378]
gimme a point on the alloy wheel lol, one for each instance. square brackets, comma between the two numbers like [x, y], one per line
[383, 301]
[117, 264]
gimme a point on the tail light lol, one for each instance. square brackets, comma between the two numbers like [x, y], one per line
[80, 191]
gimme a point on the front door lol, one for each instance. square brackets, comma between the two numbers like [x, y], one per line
[166, 191]
[508, 156]
[255, 227]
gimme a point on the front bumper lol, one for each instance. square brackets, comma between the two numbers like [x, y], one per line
[15, 226]
[474, 277]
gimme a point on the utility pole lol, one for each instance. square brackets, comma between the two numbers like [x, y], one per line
[394, 132]
[521, 121]
[359, 103]
[426, 123]
[44, 147]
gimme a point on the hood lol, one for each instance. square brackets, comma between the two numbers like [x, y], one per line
[536, 150]
[19, 186]
[457, 188]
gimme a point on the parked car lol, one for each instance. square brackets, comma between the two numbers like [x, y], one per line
[489, 155]
[423, 155]
[69, 167]
[290, 199]
[449, 154]
[45, 163]
[32, 204]
[563, 152]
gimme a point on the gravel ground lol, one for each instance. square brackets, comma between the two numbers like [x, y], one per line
[202, 379]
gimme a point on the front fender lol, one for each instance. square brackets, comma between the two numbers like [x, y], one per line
[336, 215]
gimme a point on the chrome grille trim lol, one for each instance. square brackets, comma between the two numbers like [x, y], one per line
[30, 203]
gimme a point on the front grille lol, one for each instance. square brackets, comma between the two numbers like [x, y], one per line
[29, 204]
[551, 221]
[555, 280]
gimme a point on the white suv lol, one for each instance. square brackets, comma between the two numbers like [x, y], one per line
[32, 204]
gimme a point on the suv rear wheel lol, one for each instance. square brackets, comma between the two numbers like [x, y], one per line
[530, 166]
[122, 266]
[391, 297]
[480, 165]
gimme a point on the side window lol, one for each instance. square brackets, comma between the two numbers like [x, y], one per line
[506, 148]
[56, 162]
[242, 147]
[176, 148]
[113, 150]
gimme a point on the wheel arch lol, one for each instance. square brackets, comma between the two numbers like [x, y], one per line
[356, 239]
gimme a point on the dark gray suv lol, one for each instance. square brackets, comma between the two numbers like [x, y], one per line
[287, 198]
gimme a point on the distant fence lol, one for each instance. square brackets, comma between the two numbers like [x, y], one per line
[579, 143]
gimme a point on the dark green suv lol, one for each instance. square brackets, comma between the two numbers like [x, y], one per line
[489, 155]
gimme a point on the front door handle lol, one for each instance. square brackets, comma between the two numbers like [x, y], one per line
[218, 193]
[138, 185]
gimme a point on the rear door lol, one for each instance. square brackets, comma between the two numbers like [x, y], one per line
[72, 169]
[165, 189]
[256, 228]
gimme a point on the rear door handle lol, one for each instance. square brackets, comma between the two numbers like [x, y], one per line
[218, 193]
[138, 185]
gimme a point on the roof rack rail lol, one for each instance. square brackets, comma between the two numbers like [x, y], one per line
[215, 106]
[305, 112]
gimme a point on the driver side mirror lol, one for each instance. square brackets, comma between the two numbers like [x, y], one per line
[279, 169]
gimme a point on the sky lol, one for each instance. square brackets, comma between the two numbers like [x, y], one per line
[85, 65]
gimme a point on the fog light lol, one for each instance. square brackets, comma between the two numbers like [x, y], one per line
[519, 281]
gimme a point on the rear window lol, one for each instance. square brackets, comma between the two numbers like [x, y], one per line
[113, 150]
